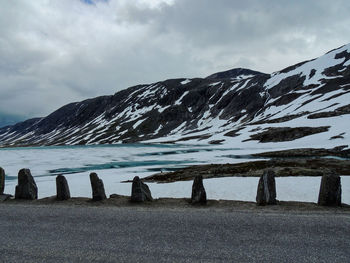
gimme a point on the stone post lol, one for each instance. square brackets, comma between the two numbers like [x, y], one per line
[98, 189]
[266, 193]
[199, 196]
[330, 190]
[62, 188]
[140, 191]
[26, 188]
[2, 181]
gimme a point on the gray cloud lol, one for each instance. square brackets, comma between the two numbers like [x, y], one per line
[56, 52]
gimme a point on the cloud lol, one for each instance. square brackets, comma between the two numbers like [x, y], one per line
[56, 52]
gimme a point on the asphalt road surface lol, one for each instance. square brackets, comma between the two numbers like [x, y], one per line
[133, 234]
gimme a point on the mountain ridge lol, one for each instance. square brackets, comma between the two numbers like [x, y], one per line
[234, 73]
[234, 107]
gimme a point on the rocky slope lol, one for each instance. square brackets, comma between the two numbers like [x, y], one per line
[306, 104]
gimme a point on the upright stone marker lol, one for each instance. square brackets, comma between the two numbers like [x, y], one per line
[140, 191]
[3, 197]
[199, 196]
[98, 189]
[266, 193]
[62, 188]
[330, 190]
[2, 181]
[26, 188]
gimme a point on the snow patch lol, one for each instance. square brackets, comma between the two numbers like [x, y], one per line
[186, 81]
[214, 84]
[178, 102]
[138, 123]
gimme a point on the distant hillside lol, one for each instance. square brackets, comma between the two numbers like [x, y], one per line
[302, 105]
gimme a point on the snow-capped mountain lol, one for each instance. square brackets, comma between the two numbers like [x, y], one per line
[306, 104]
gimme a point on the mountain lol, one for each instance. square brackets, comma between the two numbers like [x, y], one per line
[302, 105]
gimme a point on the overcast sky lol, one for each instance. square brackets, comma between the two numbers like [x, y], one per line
[53, 52]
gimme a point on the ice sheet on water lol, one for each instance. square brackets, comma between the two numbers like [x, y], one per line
[122, 162]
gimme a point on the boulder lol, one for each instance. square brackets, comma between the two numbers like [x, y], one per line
[26, 188]
[330, 190]
[199, 196]
[2, 181]
[62, 188]
[266, 193]
[98, 189]
[140, 191]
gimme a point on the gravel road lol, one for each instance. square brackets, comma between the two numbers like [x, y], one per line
[39, 233]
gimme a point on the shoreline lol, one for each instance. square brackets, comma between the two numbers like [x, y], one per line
[118, 201]
[293, 167]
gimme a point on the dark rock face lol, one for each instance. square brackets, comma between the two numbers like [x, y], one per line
[2, 180]
[330, 190]
[281, 134]
[339, 151]
[140, 191]
[199, 196]
[337, 112]
[266, 194]
[98, 189]
[62, 188]
[26, 188]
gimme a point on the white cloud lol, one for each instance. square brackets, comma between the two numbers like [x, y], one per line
[56, 52]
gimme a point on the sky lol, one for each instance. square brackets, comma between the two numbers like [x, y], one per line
[53, 52]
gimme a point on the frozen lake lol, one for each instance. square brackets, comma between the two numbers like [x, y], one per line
[116, 163]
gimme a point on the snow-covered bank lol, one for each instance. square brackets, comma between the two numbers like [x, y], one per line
[304, 189]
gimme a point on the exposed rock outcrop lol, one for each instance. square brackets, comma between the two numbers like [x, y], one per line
[266, 193]
[339, 151]
[62, 188]
[199, 196]
[282, 134]
[26, 188]
[140, 191]
[98, 189]
[337, 112]
[330, 190]
[282, 168]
